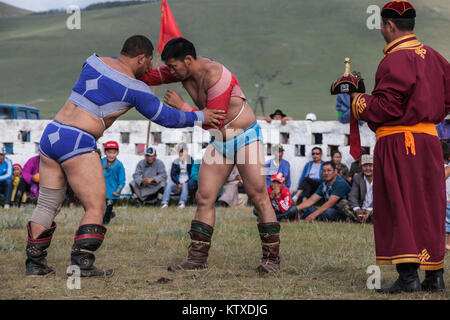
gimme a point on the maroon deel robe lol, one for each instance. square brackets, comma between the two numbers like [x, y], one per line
[412, 86]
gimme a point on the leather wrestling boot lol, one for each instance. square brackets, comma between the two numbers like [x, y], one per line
[88, 239]
[408, 280]
[434, 280]
[36, 263]
[201, 234]
[270, 241]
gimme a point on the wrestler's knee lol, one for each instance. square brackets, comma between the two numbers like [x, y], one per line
[48, 206]
[205, 199]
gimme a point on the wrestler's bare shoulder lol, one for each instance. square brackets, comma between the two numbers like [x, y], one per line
[213, 72]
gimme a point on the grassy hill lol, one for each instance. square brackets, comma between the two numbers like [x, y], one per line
[8, 11]
[303, 43]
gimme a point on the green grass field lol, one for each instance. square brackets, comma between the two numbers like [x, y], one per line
[303, 43]
[319, 260]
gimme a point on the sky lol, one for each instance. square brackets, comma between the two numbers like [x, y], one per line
[44, 5]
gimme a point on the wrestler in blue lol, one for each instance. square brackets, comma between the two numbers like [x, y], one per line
[106, 89]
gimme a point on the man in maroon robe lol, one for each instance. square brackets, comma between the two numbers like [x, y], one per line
[412, 93]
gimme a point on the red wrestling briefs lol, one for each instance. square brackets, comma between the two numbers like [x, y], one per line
[218, 97]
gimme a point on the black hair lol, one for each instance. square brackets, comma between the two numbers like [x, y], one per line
[178, 48]
[334, 152]
[329, 163]
[317, 148]
[136, 45]
[402, 24]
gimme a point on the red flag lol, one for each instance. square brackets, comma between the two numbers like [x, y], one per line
[169, 28]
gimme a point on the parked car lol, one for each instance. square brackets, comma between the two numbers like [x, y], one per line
[17, 111]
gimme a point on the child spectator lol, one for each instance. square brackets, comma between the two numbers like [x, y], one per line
[16, 177]
[114, 178]
[280, 197]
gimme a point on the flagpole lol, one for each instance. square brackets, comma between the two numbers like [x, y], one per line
[154, 91]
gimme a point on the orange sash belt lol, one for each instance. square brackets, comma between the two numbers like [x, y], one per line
[421, 127]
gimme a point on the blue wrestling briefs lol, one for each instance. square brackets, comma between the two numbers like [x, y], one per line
[61, 142]
[229, 148]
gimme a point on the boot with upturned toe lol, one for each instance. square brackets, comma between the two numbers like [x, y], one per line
[88, 239]
[434, 281]
[201, 234]
[36, 263]
[270, 242]
[408, 280]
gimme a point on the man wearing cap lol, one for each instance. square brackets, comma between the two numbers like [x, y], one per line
[6, 171]
[180, 172]
[411, 95]
[114, 177]
[149, 178]
[278, 164]
[276, 115]
[360, 198]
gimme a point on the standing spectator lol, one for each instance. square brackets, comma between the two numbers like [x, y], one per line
[276, 115]
[311, 176]
[446, 152]
[342, 169]
[360, 198]
[333, 189]
[230, 193]
[179, 178]
[280, 197]
[16, 177]
[149, 179]
[6, 171]
[114, 178]
[278, 164]
[193, 180]
[30, 180]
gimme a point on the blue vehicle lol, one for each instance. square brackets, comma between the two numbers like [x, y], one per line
[17, 111]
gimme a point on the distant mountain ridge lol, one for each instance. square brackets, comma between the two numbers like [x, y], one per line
[9, 11]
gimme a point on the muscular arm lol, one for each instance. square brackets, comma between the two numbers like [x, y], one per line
[158, 76]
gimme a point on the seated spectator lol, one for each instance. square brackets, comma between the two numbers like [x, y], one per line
[114, 178]
[333, 189]
[311, 176]
[17, 175]
[342, 169]
[278, 164]
[360, 198]
[149, 179]
[277, 115]
[6, 171]
[230, 194]
[443, 129]
[193, 180]
[280, 197]
[179, 178]
[355, 169]
[30, 180]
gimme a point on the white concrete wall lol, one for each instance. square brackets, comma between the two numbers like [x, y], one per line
[300, 133]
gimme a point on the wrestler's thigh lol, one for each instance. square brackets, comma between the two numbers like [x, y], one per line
[85, 176]
[213, 173]
[250, 163]
[51, 174]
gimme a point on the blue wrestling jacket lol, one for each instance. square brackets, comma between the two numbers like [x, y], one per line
[101, 91]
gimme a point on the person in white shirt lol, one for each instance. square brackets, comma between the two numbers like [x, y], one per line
[361, 197]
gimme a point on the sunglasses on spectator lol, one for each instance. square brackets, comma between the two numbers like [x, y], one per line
[315, 153]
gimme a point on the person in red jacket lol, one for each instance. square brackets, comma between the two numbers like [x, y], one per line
[280, 198]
